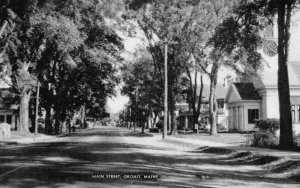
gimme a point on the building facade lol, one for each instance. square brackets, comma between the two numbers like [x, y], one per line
[185, 115]
[8, 111]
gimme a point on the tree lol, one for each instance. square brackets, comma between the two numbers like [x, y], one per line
[91, 78]
[284, 11]
[49, 37]
[191, 91]
[143, 86]
[22, 53]
[198, 30]
[61, 37]
[250, 17]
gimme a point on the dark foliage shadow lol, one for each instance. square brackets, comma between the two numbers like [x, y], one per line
[67, 163]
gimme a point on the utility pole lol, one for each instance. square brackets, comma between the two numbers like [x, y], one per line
[166, 92]
[82, 115]
[124, 120]
[136, 109]
[166, 87]
[37, 108]
[130, 117]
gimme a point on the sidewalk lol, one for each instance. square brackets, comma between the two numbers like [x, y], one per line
[16, 139]
[235, 147]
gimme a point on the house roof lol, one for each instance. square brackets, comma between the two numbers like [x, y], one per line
[269, 75]
[247, 91]
[220, 91]
[294, 72]
[6, 101]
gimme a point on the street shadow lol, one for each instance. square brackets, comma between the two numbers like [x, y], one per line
[59, 164]
[106, 133]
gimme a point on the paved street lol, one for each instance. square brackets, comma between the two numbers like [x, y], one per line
[114, 157]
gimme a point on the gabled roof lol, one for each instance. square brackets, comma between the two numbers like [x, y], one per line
[220, 91]
[267, 77]
[241, 92]
[294, 72]
[247, 91]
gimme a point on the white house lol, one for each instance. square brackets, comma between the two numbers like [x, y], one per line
[259, 99]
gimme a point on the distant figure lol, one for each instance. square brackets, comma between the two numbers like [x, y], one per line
[73, 128]
[68, 124]
[159, 124]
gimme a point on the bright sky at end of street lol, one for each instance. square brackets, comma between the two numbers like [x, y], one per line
[115, 104]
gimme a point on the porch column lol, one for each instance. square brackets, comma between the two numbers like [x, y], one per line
[186, 121]
[241, 118]
[233, 117]
[13, 125]
[228, 119]
[238, 118]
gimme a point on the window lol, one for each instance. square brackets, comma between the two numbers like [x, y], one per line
[220, 104]
[298, 112]
[9, 119]
[293, 113]
[1, 119]
[253, 114]
[205, 105]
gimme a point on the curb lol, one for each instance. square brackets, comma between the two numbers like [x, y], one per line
[233, 149]
[182, 143]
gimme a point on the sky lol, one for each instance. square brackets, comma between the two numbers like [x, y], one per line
[116, 104]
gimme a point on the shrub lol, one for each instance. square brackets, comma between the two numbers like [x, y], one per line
[264, 139]
[297, 141]
[154, 130]
[159, 125]
[221, 127]
[270, 125]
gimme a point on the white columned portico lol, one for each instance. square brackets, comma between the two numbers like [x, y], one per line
[238, 118]
[229, 118]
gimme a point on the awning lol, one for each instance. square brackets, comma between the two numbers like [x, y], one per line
[295, 100]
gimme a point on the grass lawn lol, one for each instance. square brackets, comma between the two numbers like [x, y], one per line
[227, 138]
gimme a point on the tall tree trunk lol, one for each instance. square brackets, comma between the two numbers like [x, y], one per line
[155, 117]
[172, 113]
[173, 122]
[142, 119]
[143, 126]
[286, 129]
[82, 116]
[32, 115]
[58, 122]
[130, 114]
[48, 124]
[23, 125]
[197, 113]
[193, 103]
[212, 105]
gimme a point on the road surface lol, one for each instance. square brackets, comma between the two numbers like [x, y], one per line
[113, 157]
